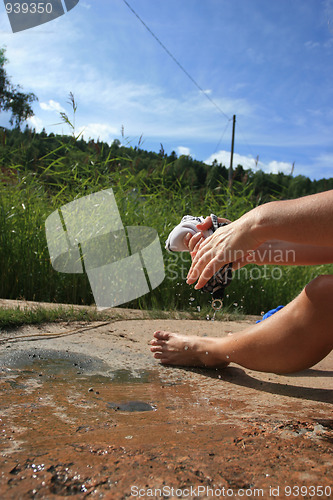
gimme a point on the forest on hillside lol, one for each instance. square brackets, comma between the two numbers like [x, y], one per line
[29, 151]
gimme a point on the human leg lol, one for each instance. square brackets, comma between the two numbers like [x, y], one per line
[295, 338]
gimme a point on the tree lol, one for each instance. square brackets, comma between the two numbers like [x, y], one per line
[12, 98]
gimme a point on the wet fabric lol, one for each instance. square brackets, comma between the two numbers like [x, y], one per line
[222, 278]
[174, 243]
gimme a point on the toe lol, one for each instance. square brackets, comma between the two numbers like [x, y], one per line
[157, 342]
[160, 335]
[155, 348]
[158, 355]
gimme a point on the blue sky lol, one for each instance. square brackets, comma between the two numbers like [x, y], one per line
[267, 62]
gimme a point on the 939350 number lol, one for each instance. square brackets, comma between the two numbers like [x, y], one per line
[29, 8]
[312, 491]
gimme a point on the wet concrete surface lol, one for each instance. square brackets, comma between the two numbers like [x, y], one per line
[87, 412]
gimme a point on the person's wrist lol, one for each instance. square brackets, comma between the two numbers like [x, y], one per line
[256, 222]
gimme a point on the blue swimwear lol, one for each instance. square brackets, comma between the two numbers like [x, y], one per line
[270, 313]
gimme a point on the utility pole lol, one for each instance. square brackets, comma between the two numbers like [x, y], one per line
[257, 161]
[232, 150]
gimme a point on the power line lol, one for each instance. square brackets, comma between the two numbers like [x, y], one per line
[245, 141]
[221, 138]
[177, 62]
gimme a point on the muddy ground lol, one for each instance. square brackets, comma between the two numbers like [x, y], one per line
[87, 412]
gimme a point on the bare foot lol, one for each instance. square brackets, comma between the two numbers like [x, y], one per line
[183, 350]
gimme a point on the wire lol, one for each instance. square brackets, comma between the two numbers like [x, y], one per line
[177, 62]
[224, 131]
[245, 141]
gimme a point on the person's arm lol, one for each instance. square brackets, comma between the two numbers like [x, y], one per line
[273, 252]
[305, 221]
[283, 253]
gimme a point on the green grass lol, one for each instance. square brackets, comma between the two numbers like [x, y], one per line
[13, 317]
[28, 196]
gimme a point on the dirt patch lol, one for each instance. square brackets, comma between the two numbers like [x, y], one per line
[87, 412]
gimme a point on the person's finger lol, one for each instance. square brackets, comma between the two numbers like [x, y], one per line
[197, 247]
[195, 259]
[193, 241]
[212, 267]
[201, 260]
[187, 239]
[205, 241]
[206, 224]
[198, 254]
[195, 254]
[205, 263]
[221, 219]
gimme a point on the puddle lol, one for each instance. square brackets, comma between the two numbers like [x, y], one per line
[53, 362]
[132, 406]
[72, 426]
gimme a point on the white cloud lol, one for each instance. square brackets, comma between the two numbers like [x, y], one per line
[35, 123]
[52, 106]
[248, 162]
[182, 150]
[274, 167]
[99, 131]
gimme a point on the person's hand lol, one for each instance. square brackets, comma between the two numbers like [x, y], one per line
[192, 242]
[230, 243]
